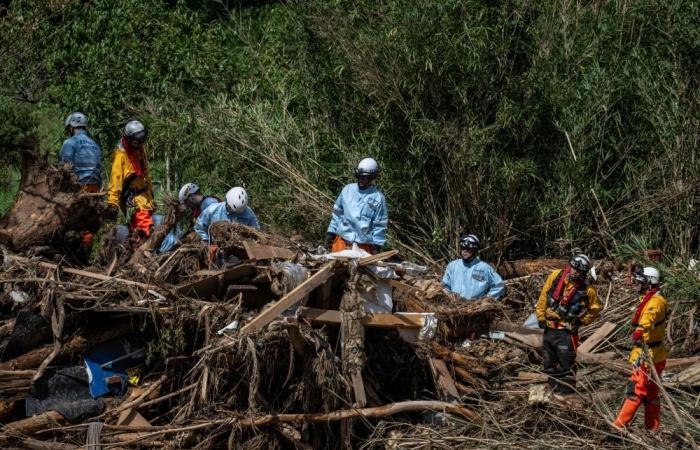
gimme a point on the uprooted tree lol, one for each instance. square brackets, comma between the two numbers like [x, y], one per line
[50, 203]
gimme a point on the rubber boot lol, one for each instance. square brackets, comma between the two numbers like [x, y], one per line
[626, 413]
[652, 412]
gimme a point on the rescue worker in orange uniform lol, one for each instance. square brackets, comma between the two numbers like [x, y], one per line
[85, 156]
[130, 181]
[649, 324]
[566, 302]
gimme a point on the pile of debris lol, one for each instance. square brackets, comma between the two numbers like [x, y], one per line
[287, 347]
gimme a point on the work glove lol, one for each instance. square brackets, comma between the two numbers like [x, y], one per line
[330, 237]
[637, 335]
[542, 324]
[111, 213]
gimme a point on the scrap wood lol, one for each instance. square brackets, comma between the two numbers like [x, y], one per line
[31, 425]
[443, 380]
[469, 362]
[689, 377]
[370, 320]
[297, 294]
[216, 282]
[597, 337]
[369, 260]
[261, 252]
[82, 273]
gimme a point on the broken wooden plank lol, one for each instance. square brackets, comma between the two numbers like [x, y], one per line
[443, 380]
[216, 283]
[298, 293]
[690, 377]
[366, 261]
[319, 316]
[676, 363]
[598, 336]
[358, 387]
[260, 252]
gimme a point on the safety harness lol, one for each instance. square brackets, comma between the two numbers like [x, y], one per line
[635, 320]
[558, 299]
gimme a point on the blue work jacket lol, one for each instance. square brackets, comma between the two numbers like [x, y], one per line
[472, 280]
[218, 213]
[85, 155]
[176, 234]
[360, 215]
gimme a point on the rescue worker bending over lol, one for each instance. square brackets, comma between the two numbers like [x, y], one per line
[130, 182]
[470, 277]
[649, 324]
[566, 302]
[85, 156]
[359, 214]
[234, 209]
[190, 196]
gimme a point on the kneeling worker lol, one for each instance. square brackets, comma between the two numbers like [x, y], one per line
[234, 209]
[190, 196]
[566, 302]
[470, 277]
[649, 324]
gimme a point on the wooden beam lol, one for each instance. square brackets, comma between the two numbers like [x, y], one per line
[376, 258]
[378, 320]
[259, 252]
[443, 380]
[292, 298]
[358, 387]
[597, 337]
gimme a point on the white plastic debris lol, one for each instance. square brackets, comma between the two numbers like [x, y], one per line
[19, 296]
[233, 326]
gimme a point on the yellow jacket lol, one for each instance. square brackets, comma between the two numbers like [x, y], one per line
[122, 170]
[543, 311]
[652, 322]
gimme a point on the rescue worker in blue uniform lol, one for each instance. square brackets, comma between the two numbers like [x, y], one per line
[85, 157]
[470, 277]
[234, 209]
[192, 197]
[359, 214]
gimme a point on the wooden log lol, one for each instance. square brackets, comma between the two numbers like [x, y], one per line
[297, 294]
[77, 344]
[33, 424]
[511, 269]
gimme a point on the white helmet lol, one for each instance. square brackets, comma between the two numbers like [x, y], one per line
[187, 190]
[647, 275]
[135, 131]
[76, 119]
[367, 167]
[580, 262]
[237, 199]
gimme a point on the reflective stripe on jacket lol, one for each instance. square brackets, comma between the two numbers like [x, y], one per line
[360, 215]
[472, 280]
[123, 171]
[218, 213]
[85, 155]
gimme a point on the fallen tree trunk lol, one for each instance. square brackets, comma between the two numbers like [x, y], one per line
[50, 203]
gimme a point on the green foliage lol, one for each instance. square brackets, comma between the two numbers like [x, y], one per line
[540, 126]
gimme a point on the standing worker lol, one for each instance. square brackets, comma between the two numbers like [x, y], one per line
[234, 209]
[470, 277]
[130, 182]
[359, 214]
[649, 324]
[566, 302]
[85, 157]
